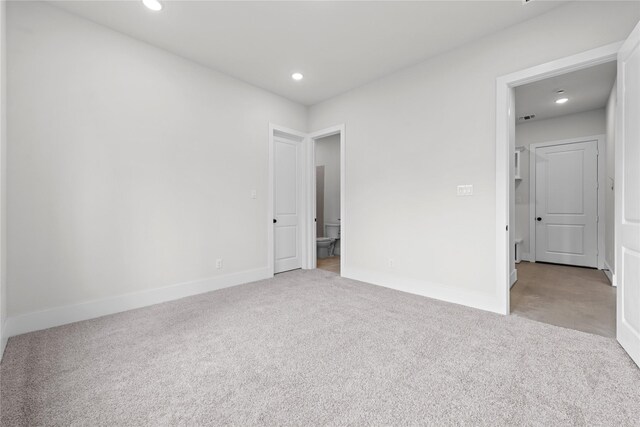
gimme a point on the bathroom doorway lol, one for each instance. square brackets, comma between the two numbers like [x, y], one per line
[328, 199]
[301, 243]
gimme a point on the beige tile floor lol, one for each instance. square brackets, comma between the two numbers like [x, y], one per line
[330, 264]
[571, 297]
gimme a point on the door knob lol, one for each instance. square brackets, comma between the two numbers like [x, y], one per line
[275, 220]
[538, 219]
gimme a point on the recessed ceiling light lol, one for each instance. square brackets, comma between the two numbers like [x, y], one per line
[297, 76]
[561, 100]
[154, 5]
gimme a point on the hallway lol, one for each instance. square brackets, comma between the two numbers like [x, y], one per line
[571, 297]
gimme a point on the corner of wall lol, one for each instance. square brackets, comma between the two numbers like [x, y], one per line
[3, 341]
[3, 144]
[481, 301]
[609, 218]
[307, 112]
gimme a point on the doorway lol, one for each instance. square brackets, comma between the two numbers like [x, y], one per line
[327, 190]
[626, 243]
[327, 208]
[292, 198]
[559, 204]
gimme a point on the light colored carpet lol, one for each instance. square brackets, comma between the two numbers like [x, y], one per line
[311, 348]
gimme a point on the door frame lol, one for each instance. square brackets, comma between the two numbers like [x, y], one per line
[311, 199]
[601, 186]
[275, 132]
[308, 198]
[505, 146]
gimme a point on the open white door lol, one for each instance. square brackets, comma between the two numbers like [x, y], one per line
[287, 220]
[628, 196]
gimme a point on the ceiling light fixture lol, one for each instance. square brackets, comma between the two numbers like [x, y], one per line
[561, 100]
[297, 76]
[154, 5]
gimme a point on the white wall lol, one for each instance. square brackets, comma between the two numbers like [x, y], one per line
[130, 168]
[564, 127]
[3, 181]
[609, 187]
[412, 137]
[328, 155]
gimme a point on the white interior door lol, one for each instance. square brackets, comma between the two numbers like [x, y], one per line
[567, 204]
[287, 204]
[628, 196]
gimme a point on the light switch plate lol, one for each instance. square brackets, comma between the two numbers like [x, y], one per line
[465, 190]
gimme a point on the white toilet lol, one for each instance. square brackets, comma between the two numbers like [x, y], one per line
[332, 231]
[324, 245]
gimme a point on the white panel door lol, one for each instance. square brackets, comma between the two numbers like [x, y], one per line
[627, 213]
[567, 204]
[287, 202]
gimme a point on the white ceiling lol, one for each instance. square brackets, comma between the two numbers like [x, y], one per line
[337, 45]
[586, 89]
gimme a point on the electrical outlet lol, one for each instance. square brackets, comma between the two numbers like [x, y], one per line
[465, 190]
[219, 263]
[254, 194]
[390, 262]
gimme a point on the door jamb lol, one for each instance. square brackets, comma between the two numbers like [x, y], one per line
[311, 192]
[505, 145]
[601, 186]
[276, 131]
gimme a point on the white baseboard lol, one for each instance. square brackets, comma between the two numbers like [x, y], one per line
[482, 301]
[608, 271]
[525, 256]
[513, 278]
[609, 275]
[57, 316]
[3, 340]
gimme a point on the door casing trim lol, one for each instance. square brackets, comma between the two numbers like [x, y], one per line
[505, 145]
